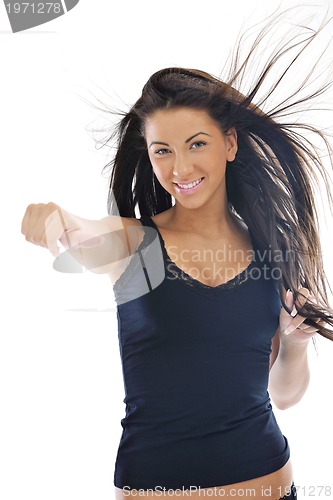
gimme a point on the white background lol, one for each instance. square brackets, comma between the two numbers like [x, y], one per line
[61, 386]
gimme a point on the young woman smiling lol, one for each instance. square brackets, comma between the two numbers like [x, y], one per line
[207, 343]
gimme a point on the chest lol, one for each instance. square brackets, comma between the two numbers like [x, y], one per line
[210, 262]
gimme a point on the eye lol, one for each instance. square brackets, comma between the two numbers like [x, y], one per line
[200, 143]
[160, 151]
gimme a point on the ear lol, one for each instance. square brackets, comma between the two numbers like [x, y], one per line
[232, 145]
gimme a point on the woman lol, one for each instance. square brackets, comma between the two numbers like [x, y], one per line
[219, 285]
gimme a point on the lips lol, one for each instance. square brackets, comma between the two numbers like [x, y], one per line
[189, 190]
[188, 185]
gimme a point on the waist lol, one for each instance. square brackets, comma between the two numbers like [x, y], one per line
[271, 486]
[173, 419]
[213, 458]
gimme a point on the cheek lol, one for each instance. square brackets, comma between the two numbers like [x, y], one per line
[158, 173]
[161, 177]
[161, 171]
[156, 170]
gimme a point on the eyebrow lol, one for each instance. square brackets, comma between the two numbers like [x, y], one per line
[187, 140]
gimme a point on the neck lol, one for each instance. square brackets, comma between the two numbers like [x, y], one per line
[203, 221]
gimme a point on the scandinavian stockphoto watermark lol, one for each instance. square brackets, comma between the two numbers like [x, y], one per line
[26, 15]
[142, 268]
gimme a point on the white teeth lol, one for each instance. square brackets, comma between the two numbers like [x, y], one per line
[188, 186]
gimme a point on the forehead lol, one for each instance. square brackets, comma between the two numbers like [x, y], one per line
[176, 120]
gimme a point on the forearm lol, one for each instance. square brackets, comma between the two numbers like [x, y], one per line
[101, 245]
[290, 374]
[98, 245]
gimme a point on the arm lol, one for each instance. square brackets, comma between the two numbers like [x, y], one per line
[289, 375]
[98, 245]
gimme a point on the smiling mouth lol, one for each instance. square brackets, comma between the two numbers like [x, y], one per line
[189, 185]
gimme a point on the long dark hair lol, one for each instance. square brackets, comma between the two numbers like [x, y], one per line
[269, 184]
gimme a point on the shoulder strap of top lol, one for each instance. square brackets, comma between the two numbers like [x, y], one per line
[149, 235]
[148, 221]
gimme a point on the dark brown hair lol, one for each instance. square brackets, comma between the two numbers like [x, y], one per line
[270, 184]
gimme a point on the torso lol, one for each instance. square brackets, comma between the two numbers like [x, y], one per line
[213, 262]
[186, 252]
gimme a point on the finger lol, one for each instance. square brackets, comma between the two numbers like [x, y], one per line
[303, 326]
[308, 328]
[33, 226]
[29, 226]
[298, 320]
[289, 299]
[302, 297]
[53, 230]
[294, 311]
[25, 220]
[294, 324]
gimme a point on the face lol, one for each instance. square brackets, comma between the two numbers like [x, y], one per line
[188, 153]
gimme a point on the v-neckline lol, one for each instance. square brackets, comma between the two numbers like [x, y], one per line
[196, 284]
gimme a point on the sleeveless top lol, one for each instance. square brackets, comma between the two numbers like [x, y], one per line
[195, 363]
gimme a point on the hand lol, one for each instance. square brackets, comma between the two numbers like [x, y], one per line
[45, 224]
[291, 325]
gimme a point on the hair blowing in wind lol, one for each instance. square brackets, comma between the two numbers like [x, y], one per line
[281, 154]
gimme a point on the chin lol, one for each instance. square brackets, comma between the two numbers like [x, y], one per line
[190, 204]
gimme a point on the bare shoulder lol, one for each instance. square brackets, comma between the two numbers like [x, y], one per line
[122, 235]
[115, 222]
[134, 232]
[130, 221]
[127, 228]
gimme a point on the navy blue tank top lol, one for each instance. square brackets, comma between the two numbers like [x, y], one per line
[195, 363]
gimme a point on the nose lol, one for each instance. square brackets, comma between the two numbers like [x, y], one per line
[182, 167]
